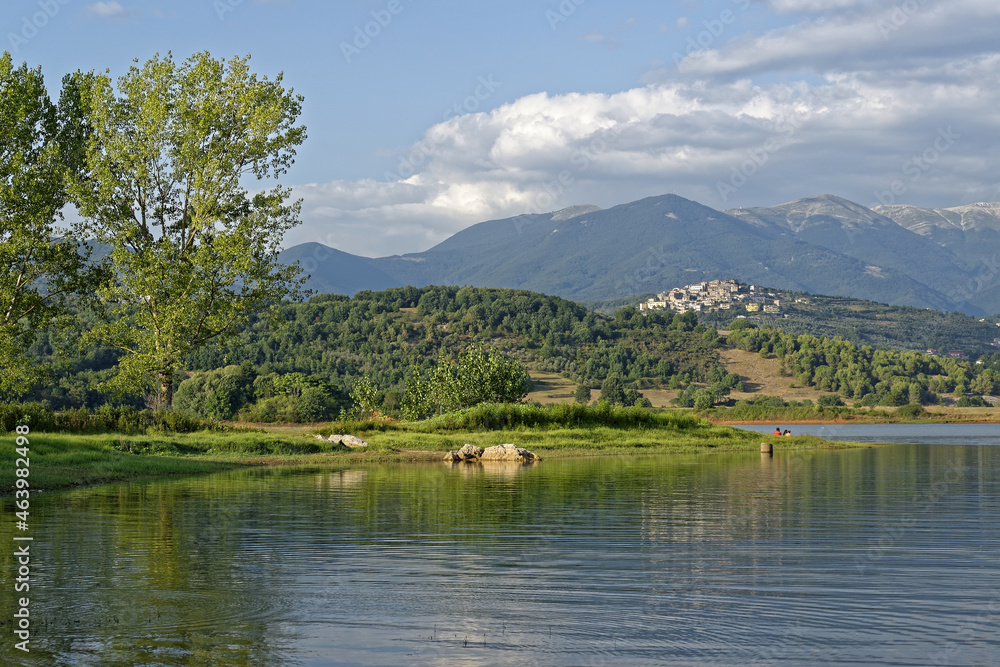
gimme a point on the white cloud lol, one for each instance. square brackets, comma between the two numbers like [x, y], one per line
[107, 10]
[812, 6]
[914, 111]
[880, 35]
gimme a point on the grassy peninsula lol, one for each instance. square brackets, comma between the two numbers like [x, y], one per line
[62, 460]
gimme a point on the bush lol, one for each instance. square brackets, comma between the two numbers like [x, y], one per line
[36, 416]
[911, 411]
[217, 394]
[108, 418]
[972, 402]
[496, 416]
[830, 401]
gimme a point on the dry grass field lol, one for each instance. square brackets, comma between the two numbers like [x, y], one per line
[760, 377]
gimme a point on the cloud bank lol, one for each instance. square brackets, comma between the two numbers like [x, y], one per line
[878, 102]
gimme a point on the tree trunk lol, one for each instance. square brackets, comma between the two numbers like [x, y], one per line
[167, 389]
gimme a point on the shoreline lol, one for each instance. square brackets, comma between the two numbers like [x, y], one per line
[841, 422]
[65, 461]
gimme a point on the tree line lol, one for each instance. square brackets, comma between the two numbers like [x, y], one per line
[871, 376]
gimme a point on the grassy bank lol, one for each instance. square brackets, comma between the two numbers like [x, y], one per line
[61, 460]
[796, 414]
[565, 430]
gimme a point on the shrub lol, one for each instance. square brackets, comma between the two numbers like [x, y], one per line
[911, 411]
[972, 402]
[108, 418]
[830, 401]
[495, 416]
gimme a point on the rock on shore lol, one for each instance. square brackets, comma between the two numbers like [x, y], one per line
[351, 441]
[506, 452]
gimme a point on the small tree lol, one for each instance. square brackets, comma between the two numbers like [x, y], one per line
[703, 399]
[365, 396]
[474, 377]
[829, 401]
[582, 394]
[613, 390]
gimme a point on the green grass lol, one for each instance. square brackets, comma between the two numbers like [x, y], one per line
[61, 460]
[64, 460]
[565, 430]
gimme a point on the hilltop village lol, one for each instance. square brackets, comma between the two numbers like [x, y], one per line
[717, 295]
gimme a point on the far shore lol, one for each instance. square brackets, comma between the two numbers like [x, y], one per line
[861, 422]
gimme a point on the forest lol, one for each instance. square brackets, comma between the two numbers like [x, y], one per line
[333, 353]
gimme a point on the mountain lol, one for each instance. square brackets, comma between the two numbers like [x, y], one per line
[972, 234]
[853, 230]
[945, 259]
[331, 271]
[646, 246]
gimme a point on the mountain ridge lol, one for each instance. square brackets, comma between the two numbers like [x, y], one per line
[822, 244]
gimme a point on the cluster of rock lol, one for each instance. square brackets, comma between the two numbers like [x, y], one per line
[351, 441]
[507, 452]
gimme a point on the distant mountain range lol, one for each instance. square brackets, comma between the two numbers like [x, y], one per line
[946, 259]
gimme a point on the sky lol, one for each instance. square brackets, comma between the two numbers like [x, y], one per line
[427, 116]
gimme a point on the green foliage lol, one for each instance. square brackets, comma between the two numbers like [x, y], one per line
[106, 419]
[493, 416]
[381, 336]
[971, 402]
[218, 394]
[830, 401]
[702, 399]
[613, 390]
[39, 269]
[194, 252]
[365, 397]
[767, 408]
[871, 323]
[874, 377]
[474, 377]
[911, 411]
[237, 391]
[582, 394]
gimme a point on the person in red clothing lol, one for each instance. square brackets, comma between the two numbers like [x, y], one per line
[777, 431]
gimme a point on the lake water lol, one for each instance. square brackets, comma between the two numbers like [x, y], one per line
[879, 556]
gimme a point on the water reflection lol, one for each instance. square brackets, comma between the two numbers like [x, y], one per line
[877, 556]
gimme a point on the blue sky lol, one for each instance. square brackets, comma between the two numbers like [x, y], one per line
[448, 113]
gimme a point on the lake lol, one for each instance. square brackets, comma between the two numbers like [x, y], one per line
[878, 556]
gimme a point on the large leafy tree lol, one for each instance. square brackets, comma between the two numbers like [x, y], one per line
[41, 266]
[194, 251]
